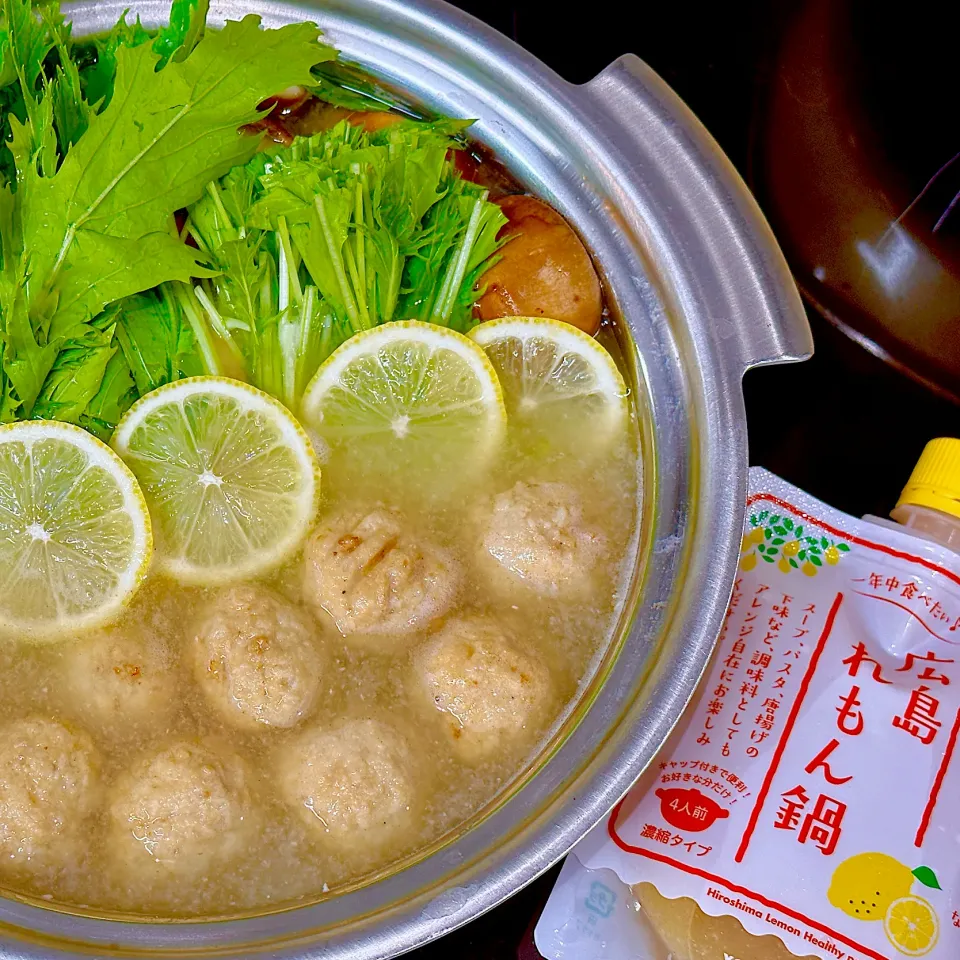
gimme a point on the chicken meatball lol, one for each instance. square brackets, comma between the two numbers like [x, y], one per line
[183, 809]
[490, 697]
[119, 676]
[544, 271]
[47, 787]
[352, 784]
[537, 535]
[256, 659]
[372, 575]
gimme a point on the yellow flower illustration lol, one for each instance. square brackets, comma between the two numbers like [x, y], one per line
[781, 540]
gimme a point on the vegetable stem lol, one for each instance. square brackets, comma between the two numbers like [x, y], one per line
[289, 280]
[351, 262]
[208, 352]
[266, 295]
[350, 305]
[288, 336]
[220, 328]
[306, 330]
[392, 293]
[221, 210]
[283, 282]
[457, 269]
[360, 241]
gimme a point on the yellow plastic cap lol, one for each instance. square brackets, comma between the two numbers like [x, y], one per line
[935, 481]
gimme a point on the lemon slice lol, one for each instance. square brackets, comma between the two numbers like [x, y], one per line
[75, 536]
[556, 379]
[228, 473]
[911, 925]
[408, 393]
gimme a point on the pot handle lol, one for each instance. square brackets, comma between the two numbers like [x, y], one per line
[716, 235]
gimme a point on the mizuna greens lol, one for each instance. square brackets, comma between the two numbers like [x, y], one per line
[286, 253]
[338, 233]
[87, 219]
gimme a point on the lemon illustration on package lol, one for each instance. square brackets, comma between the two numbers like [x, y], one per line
[876, 886]
[782, 541]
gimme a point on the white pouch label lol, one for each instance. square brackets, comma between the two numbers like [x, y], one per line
[815, 794]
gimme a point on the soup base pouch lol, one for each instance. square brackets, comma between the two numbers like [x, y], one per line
[594, 915]
[814, 794]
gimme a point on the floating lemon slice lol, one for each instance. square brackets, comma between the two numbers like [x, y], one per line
[556, 380]
[911, 925]
[228, 473]
[75, 536]
[419, 392]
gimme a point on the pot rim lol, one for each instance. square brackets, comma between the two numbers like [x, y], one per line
[705, 294]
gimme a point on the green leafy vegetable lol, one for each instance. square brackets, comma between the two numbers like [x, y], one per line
[331, 236]
[442, 278]
[98, 60]
[25, 42]
[155, 340]
[344, 84]
[90, 223]
[151, 345]
[71, 112]
[111, 401]
[177, 40]
[295, 249]
[74, 377]
[91, 213]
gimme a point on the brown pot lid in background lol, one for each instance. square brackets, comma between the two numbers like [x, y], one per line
[858, 115]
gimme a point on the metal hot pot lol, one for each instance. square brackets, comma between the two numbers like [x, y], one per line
[694, 273]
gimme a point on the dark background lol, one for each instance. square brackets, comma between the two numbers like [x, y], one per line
[845, 426]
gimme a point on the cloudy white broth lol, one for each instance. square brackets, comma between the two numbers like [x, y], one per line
[317, 516]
